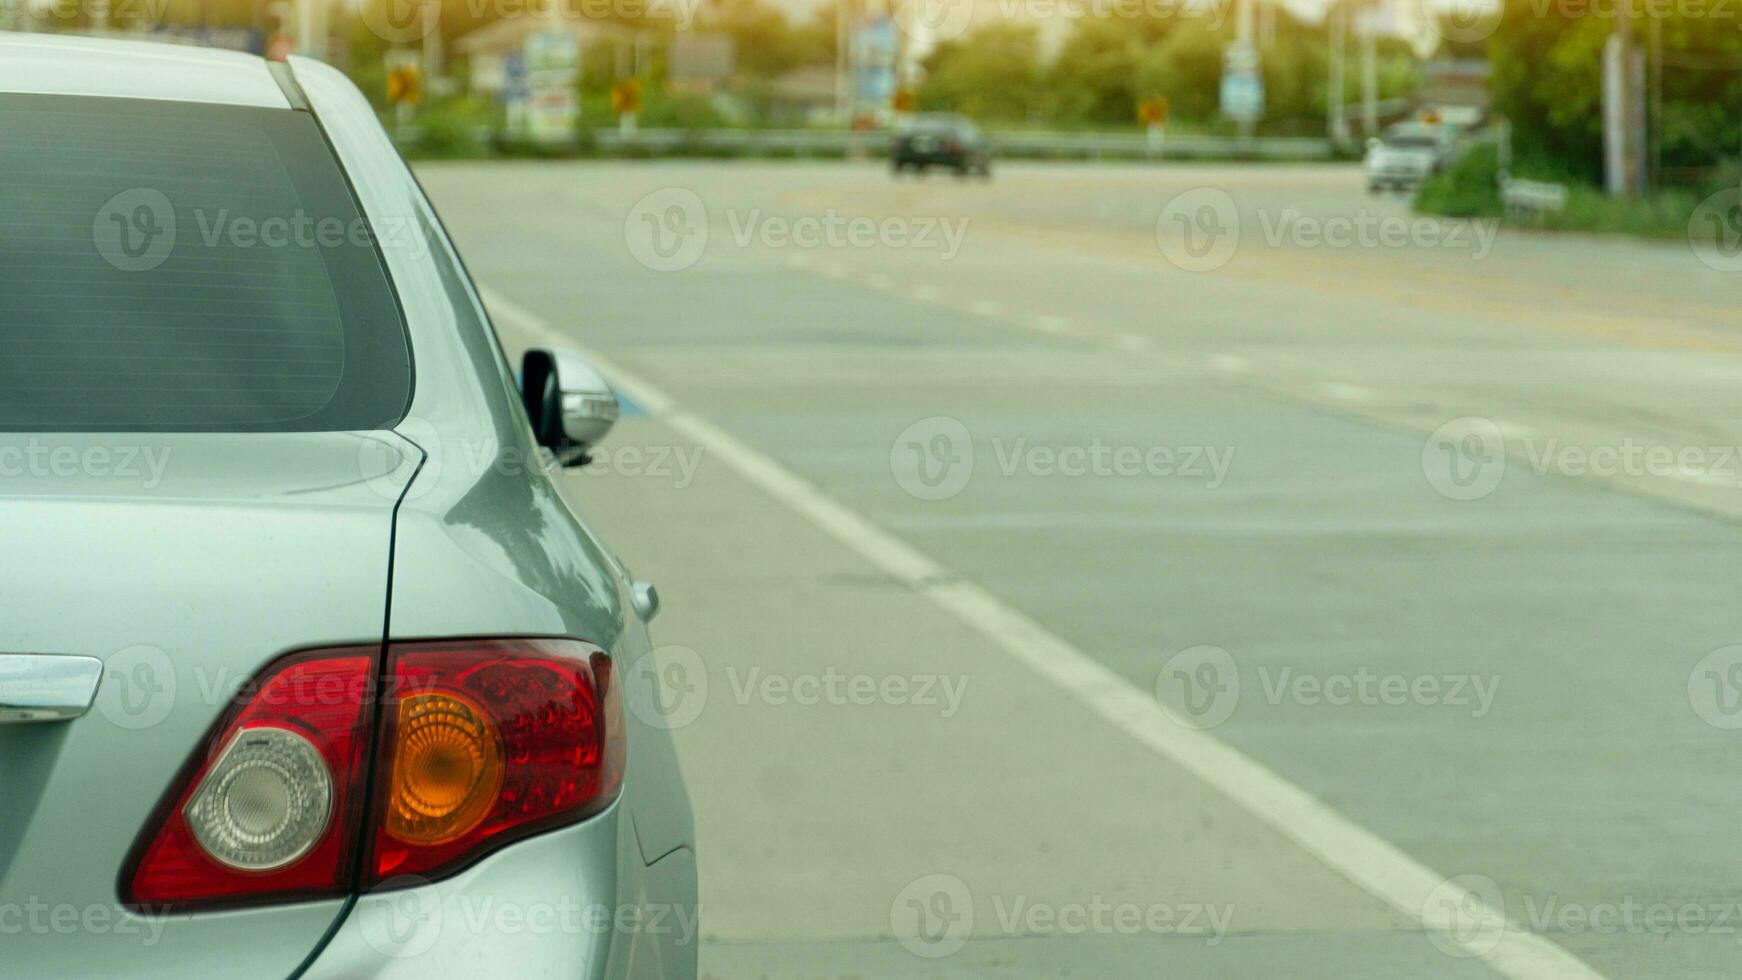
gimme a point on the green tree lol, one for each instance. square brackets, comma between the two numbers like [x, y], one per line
[1095, 76]
[1548, 81]
[992, 74]
[1187, 70]
[1295, 75]
[767, 44]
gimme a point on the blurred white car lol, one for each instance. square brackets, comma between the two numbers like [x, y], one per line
[1408, 154]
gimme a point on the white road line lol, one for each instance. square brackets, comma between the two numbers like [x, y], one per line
[1354, 852]
[927, 294]
[1228, 363]
[1047, 323]
[986, 307]
[1513, 432]
[1345, 392]
[1132, 342]
[878, 280]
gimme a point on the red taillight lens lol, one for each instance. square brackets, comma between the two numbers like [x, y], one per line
[489, 742]
[478, 743]
[269, 810]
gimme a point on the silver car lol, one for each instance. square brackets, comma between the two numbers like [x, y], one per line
[1408, 154]
[307, 669]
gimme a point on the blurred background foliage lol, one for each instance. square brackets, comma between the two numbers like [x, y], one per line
[1092, 73]
[1547, 63]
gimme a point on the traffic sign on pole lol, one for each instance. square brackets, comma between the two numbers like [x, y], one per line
[1153, 111]
[626, 96]
[1242, 83]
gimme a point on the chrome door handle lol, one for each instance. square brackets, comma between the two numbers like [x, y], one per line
[39, 687]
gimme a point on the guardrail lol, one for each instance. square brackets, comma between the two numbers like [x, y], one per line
[1016, 144]
[1533, 196]
[1009, 145]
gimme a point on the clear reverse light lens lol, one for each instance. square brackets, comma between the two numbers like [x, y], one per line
[265, 802]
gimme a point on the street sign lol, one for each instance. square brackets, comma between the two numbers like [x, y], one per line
[516, 93]
[551, 115]
[1241, 57]
[404, 81]
[626, 96]
[552, 64]
[876, 48]
[516, 80]
[1242, 83]
[1152, 112]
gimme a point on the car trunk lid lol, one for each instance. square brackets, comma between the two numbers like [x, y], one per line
[185, 563]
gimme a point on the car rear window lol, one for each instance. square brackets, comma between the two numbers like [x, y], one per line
[179, 267]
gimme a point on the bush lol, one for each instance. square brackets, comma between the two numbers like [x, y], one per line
[1663, 215]
[1470, 189]
[1466, 189]
[676, 110]
[451, 129]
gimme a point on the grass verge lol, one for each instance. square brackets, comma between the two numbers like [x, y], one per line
[1470, 189]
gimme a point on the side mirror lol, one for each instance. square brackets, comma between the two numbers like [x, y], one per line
[571, 406]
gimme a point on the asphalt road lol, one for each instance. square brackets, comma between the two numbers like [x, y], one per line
[1186, 571]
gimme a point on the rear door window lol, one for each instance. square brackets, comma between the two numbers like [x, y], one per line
[179, 267]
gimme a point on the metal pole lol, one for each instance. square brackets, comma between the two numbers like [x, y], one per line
[305, 21]
[1628, 116]
[842, 40]
[1370, 80]
[432, 43]
[1654, 137]
[1624, 33]
[1244, 23]
[1639, 120]
[1338, 126]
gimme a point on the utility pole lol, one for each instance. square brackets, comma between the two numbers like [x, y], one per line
[1337, 21]
[312, 28]
[1623, 108]
[1244, 24]
[1370, 74]
[1624, 94]
[1654, 118]
[433, 55]
[843, 64]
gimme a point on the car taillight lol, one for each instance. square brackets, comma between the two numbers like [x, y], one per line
[269, 807]
[490, 742]
[477, 743]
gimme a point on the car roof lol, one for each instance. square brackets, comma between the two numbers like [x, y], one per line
[44, 64]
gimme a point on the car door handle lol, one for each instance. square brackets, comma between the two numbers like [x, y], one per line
[37, 687]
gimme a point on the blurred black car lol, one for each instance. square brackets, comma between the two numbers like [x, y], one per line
[941, 140]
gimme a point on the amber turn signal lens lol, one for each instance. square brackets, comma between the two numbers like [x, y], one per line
[447, 769]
